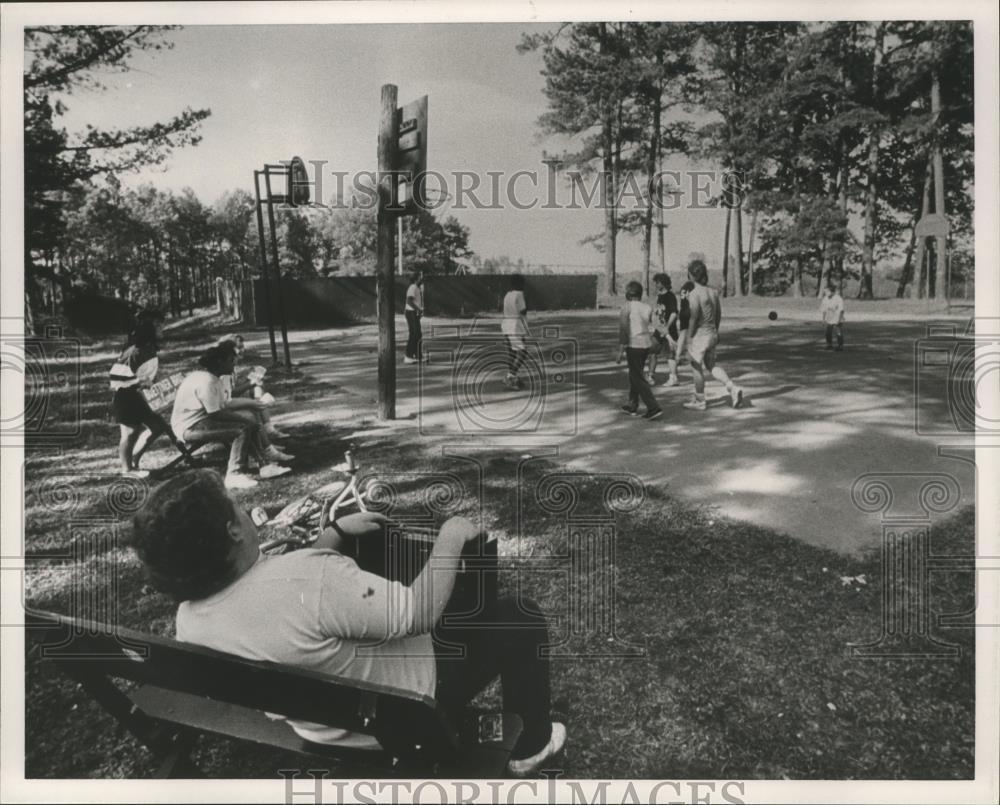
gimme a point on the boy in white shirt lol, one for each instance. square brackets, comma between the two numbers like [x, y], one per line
[515, 329]
[635, 325]
[832, 311]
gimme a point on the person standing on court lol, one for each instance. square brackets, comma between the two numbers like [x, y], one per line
[832, 310]
[635, 324]
[414, 312]
[703, 336]
[515, 330]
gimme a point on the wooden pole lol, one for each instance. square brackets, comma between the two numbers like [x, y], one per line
[385, 280]
[277, 267]
[263, 270]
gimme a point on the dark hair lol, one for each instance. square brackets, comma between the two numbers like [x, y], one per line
[633, 289]
[698, 272]
[213, 357]
[688, 286]
[181, 535]
[227, 346]
[663, 279]
[143, 334]
[516, 282]
[416, 275]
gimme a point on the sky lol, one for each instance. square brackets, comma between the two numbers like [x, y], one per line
[313, 90]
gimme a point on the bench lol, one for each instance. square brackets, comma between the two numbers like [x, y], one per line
[185, 690]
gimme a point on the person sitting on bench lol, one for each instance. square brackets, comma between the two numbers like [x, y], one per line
[314, 608]
[135, 370]
[200, 416]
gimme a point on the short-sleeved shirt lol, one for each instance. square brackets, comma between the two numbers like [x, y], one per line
[514, 308]
[199, 394]
[316, 609]
[414, 293]
[666, 305]
[639, 318]
[832, 308]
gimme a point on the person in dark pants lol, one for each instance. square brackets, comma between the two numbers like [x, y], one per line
[634, 328]
[315, 608]
[414, 311]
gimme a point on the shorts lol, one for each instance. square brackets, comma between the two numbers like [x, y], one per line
[129, 408]
[516, 342]
[701, 347]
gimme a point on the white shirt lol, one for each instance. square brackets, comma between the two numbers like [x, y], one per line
[514, 308]
[637, 317]
[316, 609]
[414, 293]
[832, 308]
[199, 395]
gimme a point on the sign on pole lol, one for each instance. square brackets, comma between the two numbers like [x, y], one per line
[411, 155]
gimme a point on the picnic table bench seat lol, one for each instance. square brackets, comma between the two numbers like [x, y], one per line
[185, 690]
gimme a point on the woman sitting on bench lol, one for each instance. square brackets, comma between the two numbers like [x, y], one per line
[316, 609]
[200, 415]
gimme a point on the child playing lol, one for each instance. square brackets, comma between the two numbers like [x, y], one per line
[515, 330]
[634, 328]
[832, 311]
[665, 331]
[706, 313]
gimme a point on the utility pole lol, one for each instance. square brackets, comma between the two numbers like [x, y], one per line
[385, 280]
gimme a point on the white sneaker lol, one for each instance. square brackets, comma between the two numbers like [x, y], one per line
[736, 395]
[274, 454]
[239, 480]
[694, 404]
[410, 360]
[273, 471]
[274, 433]
[530, 765]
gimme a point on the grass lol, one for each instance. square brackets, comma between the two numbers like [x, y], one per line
[742, 634]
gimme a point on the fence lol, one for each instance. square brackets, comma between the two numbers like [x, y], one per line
[342, 300]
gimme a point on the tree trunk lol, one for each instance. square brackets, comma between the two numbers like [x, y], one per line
[740, 289]
[608, 157]
[907, 275]
[651, 161]
[940, 244]
[871, 190]
[753, 232]
[725, 253]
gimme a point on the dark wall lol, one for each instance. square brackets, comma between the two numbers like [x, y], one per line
[98, 315]
[341, 300]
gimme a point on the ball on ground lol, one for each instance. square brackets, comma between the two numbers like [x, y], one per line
[773, 315]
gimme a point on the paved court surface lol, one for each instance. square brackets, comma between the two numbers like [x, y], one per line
[813, 422]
